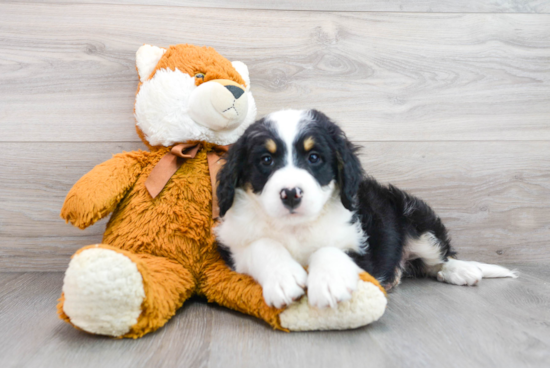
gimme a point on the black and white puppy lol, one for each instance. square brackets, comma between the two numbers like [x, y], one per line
[293, 194]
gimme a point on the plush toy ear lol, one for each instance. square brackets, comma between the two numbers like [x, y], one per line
[243, 71]
[147, 58]
[349, 172]
[229, 177]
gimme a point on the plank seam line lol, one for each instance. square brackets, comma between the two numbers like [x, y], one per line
[264, 9]
[353, 140]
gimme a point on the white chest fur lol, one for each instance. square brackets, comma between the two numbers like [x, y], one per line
[246, 223]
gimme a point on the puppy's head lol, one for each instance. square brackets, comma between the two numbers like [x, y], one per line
[293, 161]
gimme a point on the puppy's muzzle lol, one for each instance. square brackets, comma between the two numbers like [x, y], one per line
[291, 198]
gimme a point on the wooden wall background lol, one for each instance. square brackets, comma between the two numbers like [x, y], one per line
[450, 100]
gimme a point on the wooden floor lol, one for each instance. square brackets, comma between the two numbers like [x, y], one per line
[500, 323]
[449, 100]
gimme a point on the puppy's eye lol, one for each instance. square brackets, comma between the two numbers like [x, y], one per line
[314, 158]
[266, 160]
[199, 75]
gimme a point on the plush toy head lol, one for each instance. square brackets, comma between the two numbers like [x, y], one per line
[191, 93]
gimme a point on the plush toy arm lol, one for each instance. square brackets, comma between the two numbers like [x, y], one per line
[98, 192]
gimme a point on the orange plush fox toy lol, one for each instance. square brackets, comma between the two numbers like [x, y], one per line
[159, 248]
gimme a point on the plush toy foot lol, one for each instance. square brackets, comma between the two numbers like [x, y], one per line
[103, 292]
[367, 305]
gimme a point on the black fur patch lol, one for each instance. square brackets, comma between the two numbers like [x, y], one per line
[226, 255]
[338, 153]
[389, 216]
[244, 164]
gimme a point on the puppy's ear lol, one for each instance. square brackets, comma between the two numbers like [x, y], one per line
[230, 175]
[349, 172]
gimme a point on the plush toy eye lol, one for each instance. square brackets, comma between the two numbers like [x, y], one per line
[313, 158]
[266, 160]
[199, 75]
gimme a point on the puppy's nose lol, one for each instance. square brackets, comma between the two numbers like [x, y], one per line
[291, 197]
[235, 91]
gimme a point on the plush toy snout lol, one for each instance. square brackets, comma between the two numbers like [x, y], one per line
[218, 104]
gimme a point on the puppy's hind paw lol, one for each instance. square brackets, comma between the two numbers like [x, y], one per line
[460, 273]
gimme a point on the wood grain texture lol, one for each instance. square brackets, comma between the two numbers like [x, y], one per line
[32, 234]
[417, 6]
[493, 196]
[67, 71]
[500, 323]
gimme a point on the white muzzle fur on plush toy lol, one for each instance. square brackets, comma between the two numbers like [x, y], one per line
[218, 104]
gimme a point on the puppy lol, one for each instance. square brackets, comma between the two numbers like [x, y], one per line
[293, 194]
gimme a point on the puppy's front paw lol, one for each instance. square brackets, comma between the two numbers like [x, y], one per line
[284, 285]
[332, 283]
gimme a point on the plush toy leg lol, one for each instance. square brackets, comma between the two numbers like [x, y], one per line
[367, 305]
[239, 292]
[113, 292]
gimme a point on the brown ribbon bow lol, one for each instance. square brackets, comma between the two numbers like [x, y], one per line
[172, 161]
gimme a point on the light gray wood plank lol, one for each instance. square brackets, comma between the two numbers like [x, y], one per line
[182, 342]
[417, 6]
[493, 196]
[500, 323]
[37, 178]
[67, 71]
[20, 253]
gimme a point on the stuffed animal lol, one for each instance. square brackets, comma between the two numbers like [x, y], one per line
[159, 248]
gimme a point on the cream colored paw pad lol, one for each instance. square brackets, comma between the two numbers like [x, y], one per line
[367, 305]
[103, 292]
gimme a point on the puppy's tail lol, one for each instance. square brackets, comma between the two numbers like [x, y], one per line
[494, 271]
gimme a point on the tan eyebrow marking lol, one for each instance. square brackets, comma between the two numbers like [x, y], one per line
[308, 143]
[271, 145]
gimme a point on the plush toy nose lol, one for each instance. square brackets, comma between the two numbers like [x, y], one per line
[291, 198]
[235, 91]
